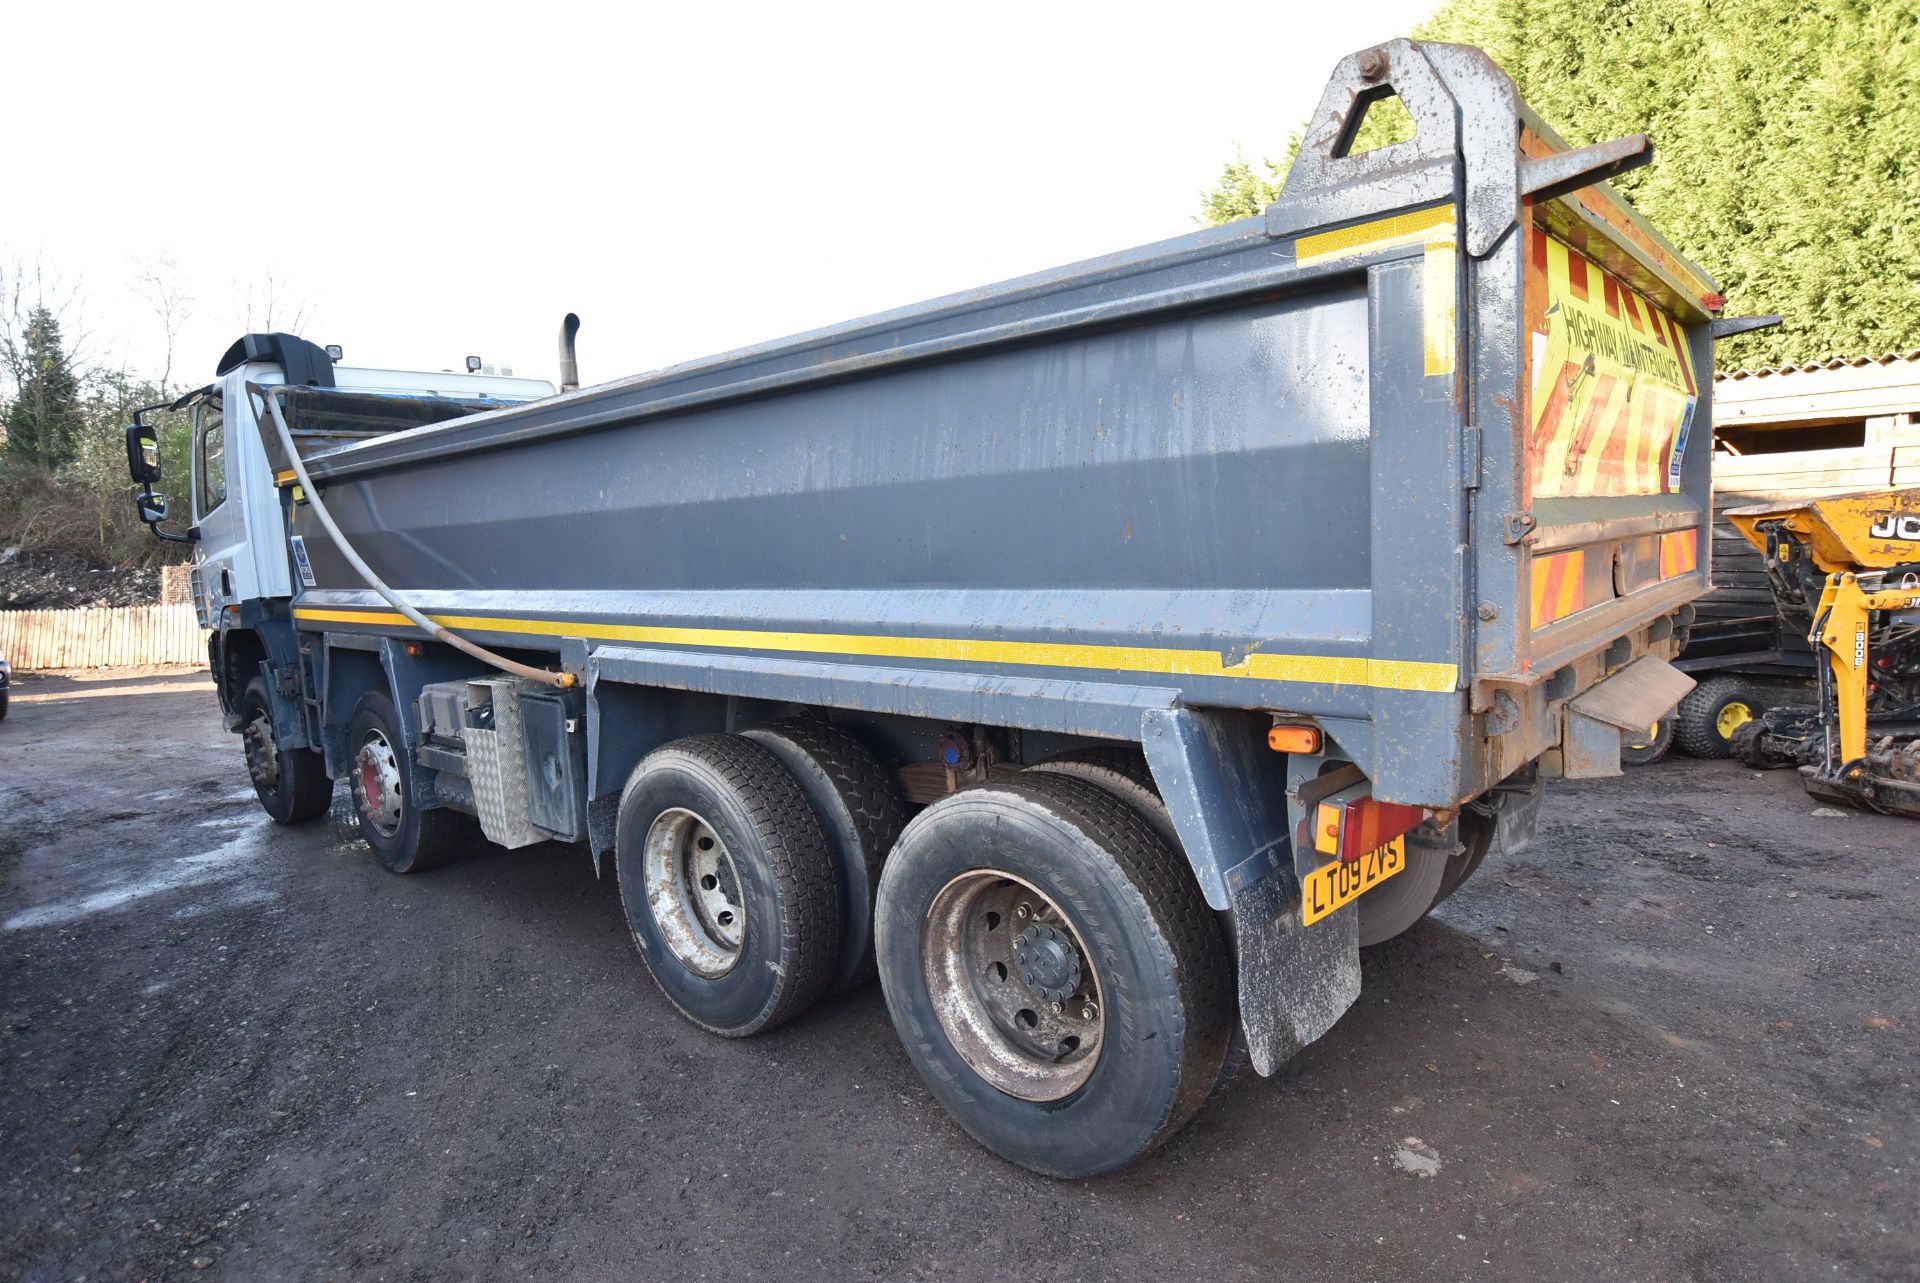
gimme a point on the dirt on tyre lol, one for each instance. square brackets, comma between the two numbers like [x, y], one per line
[861, 815]
[406, 838]
[291, 783]
[1710, 714]
[728, 883]
[1053, 972]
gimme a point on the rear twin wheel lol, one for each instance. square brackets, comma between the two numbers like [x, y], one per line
[728, 882]
[1053, 972]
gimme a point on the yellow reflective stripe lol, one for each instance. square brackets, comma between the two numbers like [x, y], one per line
[1381, 233]
[1431, 228]
[1438, 303]
[1330, 670]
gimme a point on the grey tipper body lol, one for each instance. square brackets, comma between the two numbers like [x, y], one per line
[1158, 501]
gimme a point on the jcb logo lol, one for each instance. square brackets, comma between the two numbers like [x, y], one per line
[1895, 526]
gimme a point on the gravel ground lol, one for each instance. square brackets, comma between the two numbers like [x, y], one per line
[1672, 1041]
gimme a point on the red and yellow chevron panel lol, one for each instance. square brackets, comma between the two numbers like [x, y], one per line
[1559, 585]
[1679, 553]
[1613, 384]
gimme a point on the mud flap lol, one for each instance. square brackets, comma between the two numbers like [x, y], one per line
[1295, 981]
[1226, 792]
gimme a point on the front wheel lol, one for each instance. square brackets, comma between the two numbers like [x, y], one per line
[291, 783]
[406, 838]
[1053, 973]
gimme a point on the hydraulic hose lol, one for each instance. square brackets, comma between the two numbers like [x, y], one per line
[271, 396]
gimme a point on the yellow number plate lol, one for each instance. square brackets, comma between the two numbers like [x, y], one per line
[1332, 885]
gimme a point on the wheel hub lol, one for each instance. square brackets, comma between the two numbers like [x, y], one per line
[1736, 714]
[694, 892]
[1049, 963]
[262, 749]
[376, 783]
[1013, 987]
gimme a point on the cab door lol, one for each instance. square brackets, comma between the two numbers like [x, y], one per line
[221, 553]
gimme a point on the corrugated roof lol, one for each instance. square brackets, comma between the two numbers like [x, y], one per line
[1808, 367]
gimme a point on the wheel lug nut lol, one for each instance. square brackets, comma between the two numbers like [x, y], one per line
[1058, 1007]
[1024, 911]
[1088, 1012]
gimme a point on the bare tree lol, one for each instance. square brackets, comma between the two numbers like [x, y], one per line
[160, 286]
[268, 296]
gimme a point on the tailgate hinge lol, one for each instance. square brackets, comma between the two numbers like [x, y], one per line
[1469, 457]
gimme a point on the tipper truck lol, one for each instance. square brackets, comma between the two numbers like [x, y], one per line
[1101, 658]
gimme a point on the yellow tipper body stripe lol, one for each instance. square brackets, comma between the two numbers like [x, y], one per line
[1382, 674]
[1381, 233]
[1430, 228]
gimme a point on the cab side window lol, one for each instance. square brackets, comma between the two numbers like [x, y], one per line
[210, 462]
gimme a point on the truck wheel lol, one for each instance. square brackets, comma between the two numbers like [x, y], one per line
[861, 814]
[406, 838]
[1476, 839]
[1053, 972]
[1704, 724]
[728, 882]
[1402, 900]
[1124, 773]
[1644, 748]
[291, 783]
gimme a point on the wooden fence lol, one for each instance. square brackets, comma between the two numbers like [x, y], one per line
[101, 637]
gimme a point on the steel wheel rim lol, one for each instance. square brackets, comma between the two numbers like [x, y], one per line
[693, 889]
[376, 784]
[262, 749]
[1016, 993]
[1736, 714]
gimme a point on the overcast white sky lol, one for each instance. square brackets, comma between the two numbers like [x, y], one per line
[432, 181]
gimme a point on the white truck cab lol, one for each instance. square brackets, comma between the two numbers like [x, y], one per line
[233, 494]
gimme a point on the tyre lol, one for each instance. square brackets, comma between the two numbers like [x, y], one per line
[1704, 724]
[1476, 839]
[291, 783]
[1403, 899]
[1644, 748]
[728, 882]
[3, 705]
[1053, 972]
[406, 838]
[861, 814]
[1124, 773]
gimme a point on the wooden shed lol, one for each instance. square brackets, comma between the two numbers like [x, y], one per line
[1825, 427]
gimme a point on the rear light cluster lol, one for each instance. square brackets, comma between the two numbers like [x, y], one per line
[1353, 828]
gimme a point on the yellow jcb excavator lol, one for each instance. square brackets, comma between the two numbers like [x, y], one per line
[1848, 566]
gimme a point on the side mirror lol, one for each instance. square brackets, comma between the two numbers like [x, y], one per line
[152, 507]
[143, 456]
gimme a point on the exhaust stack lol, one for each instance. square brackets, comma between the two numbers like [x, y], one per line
[569, 363]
